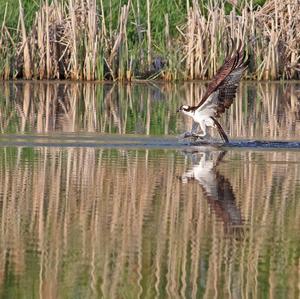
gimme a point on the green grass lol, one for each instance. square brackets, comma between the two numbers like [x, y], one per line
[176, 10]
[30, 8]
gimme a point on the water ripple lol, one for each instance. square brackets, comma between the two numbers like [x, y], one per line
[134, 141]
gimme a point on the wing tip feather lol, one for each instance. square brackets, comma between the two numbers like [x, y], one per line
[236, 59]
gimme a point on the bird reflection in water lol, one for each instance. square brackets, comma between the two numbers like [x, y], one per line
[216, 188]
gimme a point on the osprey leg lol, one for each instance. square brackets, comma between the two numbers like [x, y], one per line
[220, 130]
[194, 130]
[194, 127]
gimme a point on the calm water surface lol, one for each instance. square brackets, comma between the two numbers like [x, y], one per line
[99, 199]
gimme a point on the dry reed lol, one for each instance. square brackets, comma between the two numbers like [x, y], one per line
[270, 35]
[70, 41]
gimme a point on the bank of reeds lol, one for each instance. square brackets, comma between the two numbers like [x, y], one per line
[75, 40]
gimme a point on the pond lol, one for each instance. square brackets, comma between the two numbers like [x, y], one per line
[100, 199]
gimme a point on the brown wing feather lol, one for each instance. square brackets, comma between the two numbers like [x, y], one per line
[227, 89]
[226, 77]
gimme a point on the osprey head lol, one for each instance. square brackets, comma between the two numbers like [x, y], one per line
[184, 108]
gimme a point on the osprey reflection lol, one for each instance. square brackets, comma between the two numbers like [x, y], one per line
[216, 188]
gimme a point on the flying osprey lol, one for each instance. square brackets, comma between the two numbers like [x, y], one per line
[219, 94]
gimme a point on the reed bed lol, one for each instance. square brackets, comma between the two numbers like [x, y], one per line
[87, 220]
[78, 40]
[260, 111]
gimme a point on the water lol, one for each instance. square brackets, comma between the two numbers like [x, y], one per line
[99, 198]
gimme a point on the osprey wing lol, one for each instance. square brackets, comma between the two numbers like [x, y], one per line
[226, 81]
[227, 89]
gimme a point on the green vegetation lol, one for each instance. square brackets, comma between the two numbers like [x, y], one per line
[12, 15]
[135, 39]
[176, 9]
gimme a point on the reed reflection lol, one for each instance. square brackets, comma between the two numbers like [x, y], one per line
[216, 187]
[261, 111]
[115, 223]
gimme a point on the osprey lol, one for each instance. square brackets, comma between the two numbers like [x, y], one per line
[219, 94]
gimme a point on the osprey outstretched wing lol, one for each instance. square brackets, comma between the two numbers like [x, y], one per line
[226, 80]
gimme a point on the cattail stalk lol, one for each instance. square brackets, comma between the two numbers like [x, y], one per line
[149, 34]
[25, 45]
